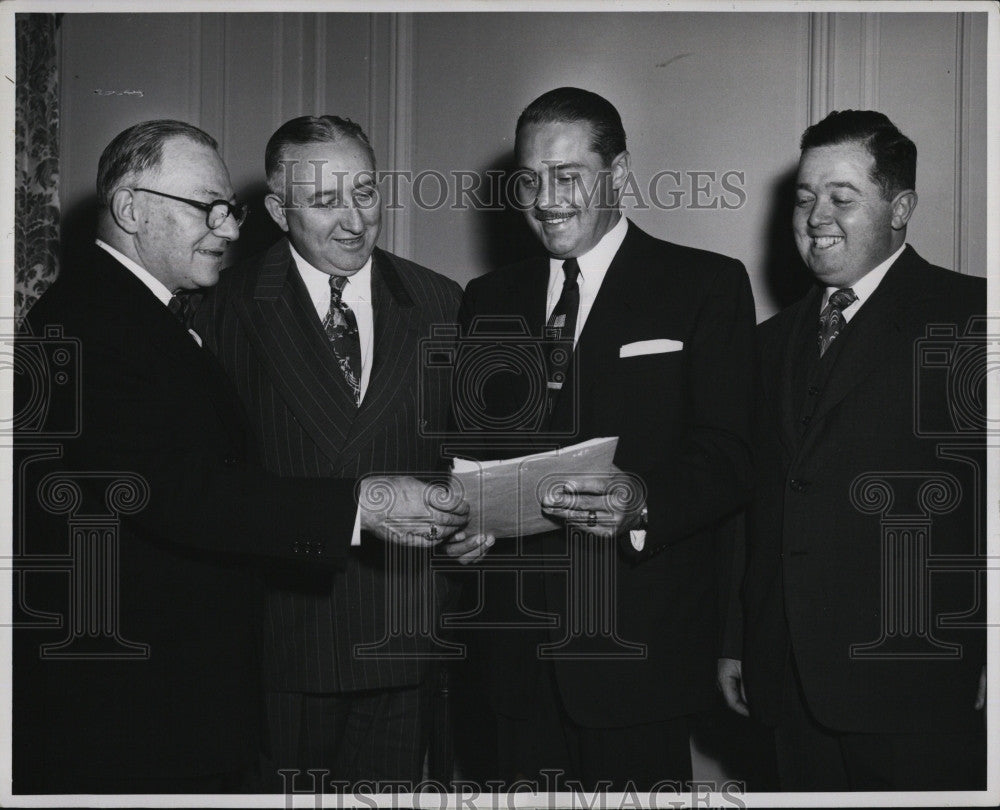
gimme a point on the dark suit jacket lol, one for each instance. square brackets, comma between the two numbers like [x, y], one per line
[682, 419]
[151, 402]
[264, 328]
[814, 578]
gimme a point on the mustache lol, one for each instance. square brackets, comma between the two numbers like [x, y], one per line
[545, 216]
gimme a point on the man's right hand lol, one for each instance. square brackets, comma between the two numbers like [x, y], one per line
[402, 509]
[730, 681]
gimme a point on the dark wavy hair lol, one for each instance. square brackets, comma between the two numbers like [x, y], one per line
[571, 104]
[895, 155]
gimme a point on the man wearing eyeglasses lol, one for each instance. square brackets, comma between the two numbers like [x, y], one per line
[170, 702]
[321, 335]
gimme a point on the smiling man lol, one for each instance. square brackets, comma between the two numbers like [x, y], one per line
[321, 335]
[870, 670]
[661, 337]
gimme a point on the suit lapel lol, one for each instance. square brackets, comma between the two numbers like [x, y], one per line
[870, 340]
[128, 297]
[396, 345]
[286, 333]
[596, 350]
[870, 337]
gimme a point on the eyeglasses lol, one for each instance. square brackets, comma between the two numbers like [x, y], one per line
[216, 211]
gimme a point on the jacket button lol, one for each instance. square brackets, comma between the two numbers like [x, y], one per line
[813, 390]
[805, 420]
[231, 461]
[798, 485]
[296, 548]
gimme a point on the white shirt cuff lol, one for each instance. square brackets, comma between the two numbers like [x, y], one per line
[638, 538]
[356, 537]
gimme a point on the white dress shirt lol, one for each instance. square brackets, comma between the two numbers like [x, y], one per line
[864, 286]
[594, 266]
[357, 294]
[152, 282]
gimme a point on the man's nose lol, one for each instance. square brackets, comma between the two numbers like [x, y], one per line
[228, 230]
[352, 220]
[819, 213]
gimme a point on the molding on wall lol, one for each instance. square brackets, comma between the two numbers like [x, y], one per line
[213, 59]
[194, 77]
[871, 42]
[963, 100]
[319, 64]
[278, 74]
[400, 131]
[822, 60]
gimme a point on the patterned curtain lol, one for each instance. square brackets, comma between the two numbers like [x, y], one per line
[36, 207]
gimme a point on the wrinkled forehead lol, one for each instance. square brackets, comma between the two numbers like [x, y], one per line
[344, 161]
[849, 162]
[193, 168]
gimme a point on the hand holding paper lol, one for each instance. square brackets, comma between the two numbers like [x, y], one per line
[404, 510]
[610, 503]
[536, 493]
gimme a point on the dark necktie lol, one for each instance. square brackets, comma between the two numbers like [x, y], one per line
[341, 328]
[831, 319]
[561, 327]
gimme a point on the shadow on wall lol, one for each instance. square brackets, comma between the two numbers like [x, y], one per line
[500, 234]
[785, 277]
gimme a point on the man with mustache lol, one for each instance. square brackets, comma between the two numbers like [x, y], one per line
[870, 463]
[660, 337]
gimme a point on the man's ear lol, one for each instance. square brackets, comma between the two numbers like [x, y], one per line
[123, 210]
[620, 168]
[903, 206]
[272, 202]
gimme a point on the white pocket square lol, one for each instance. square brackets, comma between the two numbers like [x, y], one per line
[659, 346]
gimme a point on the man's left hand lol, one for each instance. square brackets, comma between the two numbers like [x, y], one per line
[609, 503]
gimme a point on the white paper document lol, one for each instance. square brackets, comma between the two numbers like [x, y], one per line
[505, 496]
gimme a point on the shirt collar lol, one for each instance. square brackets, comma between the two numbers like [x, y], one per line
[154, 284]
[357, 288]
[866, 285]
[595, 262]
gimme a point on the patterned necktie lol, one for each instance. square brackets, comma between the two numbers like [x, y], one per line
[180, 308]
[341, 329]
[831, 319]
[562, 327]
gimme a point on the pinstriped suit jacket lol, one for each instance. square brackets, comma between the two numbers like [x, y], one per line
[263, 327]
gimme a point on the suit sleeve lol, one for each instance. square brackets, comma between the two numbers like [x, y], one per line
[709, 477]
[204, 490]
[731, 564]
